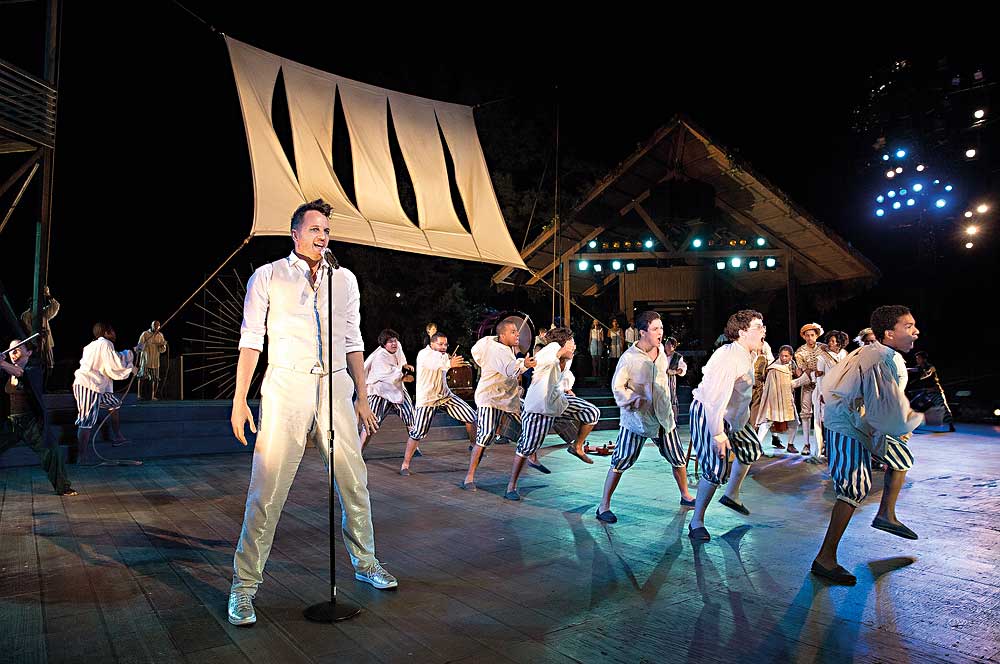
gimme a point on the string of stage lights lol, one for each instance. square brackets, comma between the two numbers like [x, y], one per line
[646, 250]
[924, 193]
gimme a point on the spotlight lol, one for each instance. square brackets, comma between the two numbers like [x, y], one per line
[604, 245]
[880, 212]
[583, 265]
[918, 187]
[897, 205]
[902, 192]
[910, 201]
[616, 265]
[968, 214]
[761, 241]
[940, 202]
[630, 267]
[900, 154]
[648, 244]
[880, 198]
[971, 230]
[743, 243]
[885, 157]
[920, 168]
[891, 194]
[398, 295]
[979, 114]
[770, 263]
[983, 208]
[628, 244]
[616, 245]
[720, 265]
[969, 245]
[753, 264]
[890, 174]
[736, 262]
[996, 413]
[937, 181]
[899, 169]
[948, 187]
[592, 244]
[597, 267]
[732, 243]
[696, 243]
[970, 153]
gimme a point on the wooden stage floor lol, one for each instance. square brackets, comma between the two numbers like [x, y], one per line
[137, 567]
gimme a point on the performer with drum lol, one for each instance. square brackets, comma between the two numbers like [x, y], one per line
[433, 393]
[499, 387]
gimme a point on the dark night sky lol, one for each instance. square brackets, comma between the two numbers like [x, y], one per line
[153, 180]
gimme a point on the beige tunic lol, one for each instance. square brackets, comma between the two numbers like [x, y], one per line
[153, 345]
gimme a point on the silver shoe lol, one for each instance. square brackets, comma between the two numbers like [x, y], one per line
[241, 609]
[377, 576]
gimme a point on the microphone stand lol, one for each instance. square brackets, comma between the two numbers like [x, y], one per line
[335, 609]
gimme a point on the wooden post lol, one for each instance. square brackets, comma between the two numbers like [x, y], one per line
[565, 292]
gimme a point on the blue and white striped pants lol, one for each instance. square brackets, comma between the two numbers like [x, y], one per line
[380, 407]
[487, 422]
[89, 403]
[715, 469]
[851, 464]
[457, 408]
[535, 426]
[629, 445]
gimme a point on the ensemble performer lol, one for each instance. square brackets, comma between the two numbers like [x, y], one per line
[385, 375]
[642, 392]
[927, 391]
[676, 368]
[93, 382]
[48, 312]
[723, 435]
[153, 345]
[831, 354]
[868, 417]
[499, 388]
[287, 302]
[805, 358]
[433, 394]
[777, 412]
[548, 399]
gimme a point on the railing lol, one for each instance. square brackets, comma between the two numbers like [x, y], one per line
[27, 106]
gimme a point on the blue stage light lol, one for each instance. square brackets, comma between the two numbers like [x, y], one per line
[770, 262]
[649, 244]
[761, 242]
[900, 154]
[896, 205]
[696, 243]
[918, 187]
[891, 194]
[583, 265]
[940, 202]
[948, 187]
[910, 201]
[720, 265]
[592, 244]
[597, 267]
[879, 212]
[736, 262]
[616, 265]
[880, 198]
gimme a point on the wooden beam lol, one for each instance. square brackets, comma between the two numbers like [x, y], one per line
[595, 288]
[775, 239]
[667, 255]
[565, 292]
[536, 276]
[654, 229]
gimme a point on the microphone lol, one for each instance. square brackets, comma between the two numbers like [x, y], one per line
[331, 259]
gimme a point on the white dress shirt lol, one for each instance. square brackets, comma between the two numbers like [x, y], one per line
[726, 388]
[100, 366]
[297, 332]
[499, 386]
[432, 384]
[384, 374]
[638, 375]
[547, 393]
[825, 364]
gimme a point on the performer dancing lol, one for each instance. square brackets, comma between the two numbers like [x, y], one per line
[868, 416]
[547, 400]
[27, 420]
[384, 376]
[287, 302]
[723, 435]
[642, 392]
[806, 357]
[93, 383]
[433, 394]
[498, 391]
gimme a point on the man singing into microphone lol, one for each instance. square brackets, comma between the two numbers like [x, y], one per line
[287, 301]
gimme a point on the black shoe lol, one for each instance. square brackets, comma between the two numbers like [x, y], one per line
[897, 529]
[606, 517]
[951, 428]
[69, 491]
[405, 472]
[699, 534]
[837, 575]
[471, 486]
[776, 442]
[512, 495]
[687, 503]
[417, 452]
[540, 467]
[733, 505]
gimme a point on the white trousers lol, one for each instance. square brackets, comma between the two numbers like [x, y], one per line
[293, 410]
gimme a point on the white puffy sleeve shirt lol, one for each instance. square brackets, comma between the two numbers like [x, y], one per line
[101, 365]
[637, 374]
[726, 388]
[499, 385]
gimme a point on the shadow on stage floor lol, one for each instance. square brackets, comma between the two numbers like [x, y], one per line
[138, 566]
